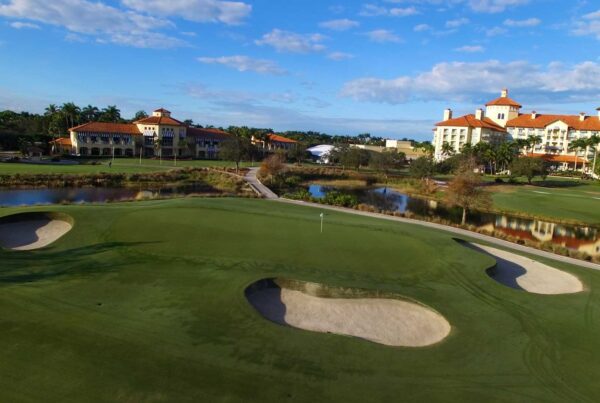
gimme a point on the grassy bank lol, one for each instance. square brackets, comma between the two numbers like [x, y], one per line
[145, 302]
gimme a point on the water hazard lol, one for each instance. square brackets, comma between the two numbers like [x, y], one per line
[580, 238]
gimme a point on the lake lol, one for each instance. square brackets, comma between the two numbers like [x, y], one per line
[43, 196]
[580, 238]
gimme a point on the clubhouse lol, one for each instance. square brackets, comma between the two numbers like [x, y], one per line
[502, 121]
[154, 136]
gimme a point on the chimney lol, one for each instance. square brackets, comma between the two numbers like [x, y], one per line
[479, 114]
[598, 113]
[582, 116]
[448, 114]
[504, 93]
[533, 115]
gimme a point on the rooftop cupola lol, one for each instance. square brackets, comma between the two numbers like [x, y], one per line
[504, 93]
[162, 113]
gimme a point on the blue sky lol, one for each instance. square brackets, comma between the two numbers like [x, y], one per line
[388, 67]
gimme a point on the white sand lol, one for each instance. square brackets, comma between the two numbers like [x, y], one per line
[386, 321]
[32, 234]
[520, 272]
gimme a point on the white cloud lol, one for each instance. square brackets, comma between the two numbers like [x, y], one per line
[108, 24]
[422, 28]
[457, 23]
[245, 63]
[339, 56]
[343, 24]
[495, 31]
[373, 10]
[227, 12]
[285, 41]
[21, 25]
[529, 22]
[588, 25]
[382, 36]
[470, 49]
[461, 81]
[494, 6]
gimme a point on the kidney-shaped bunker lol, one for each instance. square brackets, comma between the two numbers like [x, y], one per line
[29, 231]
[379, 317]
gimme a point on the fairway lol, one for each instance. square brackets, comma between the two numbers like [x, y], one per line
[580, 202]
[145, 302]
[120, 165]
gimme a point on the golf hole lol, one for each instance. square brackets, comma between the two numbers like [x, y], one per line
[378, 317]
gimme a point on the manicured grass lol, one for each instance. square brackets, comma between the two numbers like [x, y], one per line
[580, 201]
[145, 302]
[125, 165]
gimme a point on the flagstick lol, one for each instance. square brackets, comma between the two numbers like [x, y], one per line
[321, 223]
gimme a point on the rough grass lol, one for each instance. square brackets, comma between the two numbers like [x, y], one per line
[145, 303]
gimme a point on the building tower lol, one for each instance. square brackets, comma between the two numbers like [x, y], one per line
[502, 109]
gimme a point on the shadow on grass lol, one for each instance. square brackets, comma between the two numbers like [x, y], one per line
[504, 271]
[24, 267]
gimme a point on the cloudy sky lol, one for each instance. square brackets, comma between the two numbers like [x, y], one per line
[388, 67]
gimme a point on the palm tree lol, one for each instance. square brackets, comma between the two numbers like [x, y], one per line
[90, 113]
[447, 149]
[593, 142]
[533, 141]
[426, 147]
[577, 145]
[522, 144]
[110, 114]
[71, 113]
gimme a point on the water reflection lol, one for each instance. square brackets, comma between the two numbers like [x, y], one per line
[583, 239]
[29, 197]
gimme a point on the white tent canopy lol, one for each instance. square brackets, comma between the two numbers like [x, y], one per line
[321, 152]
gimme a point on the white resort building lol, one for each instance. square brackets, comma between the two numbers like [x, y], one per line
[502, 121]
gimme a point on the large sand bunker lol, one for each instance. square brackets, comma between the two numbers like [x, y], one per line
[526, 274]
[381, 319]
[29, 231]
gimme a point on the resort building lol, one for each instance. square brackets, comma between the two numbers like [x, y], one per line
[503, 120]
[406, 147]
[158, 135]
[273, 142]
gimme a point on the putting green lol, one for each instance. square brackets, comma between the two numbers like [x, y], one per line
[145, 302]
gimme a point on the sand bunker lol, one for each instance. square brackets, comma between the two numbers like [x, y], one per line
[526, 274]
[389, 321]
[29, 231]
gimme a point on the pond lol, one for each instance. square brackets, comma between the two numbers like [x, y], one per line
[580, 238]
[29, 197]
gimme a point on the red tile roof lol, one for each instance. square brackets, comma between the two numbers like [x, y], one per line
[63, 141]
[558, 158]
[211, 134]
[102, 127]
[504, 101]
[275, 138]
[541, 121]
[471, 121]
[162, 110]
[159, 120]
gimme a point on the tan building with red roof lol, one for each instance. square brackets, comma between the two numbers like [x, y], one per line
[274, 142]
[154, 136]
[503, 121]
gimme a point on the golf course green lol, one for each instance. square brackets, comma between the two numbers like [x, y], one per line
[145, 302]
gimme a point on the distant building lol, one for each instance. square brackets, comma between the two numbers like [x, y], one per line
[61, 146]
[274, 142]
[156, 135]
[503, 121]
[406, 147]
